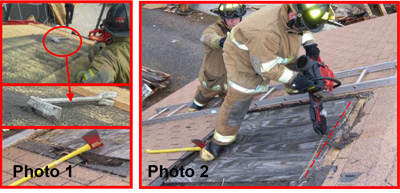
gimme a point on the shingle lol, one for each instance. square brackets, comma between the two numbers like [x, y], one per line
[352, 46]
[109, 180]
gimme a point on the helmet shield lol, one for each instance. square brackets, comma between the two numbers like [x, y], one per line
[231, 10]
[312, 17]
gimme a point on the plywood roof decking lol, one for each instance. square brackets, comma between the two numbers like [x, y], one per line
[373, 156]
[113, 157]
[366, 43]
[26, 61]
[116, 141]
[17, 113]
[81, 175]
[179, 133]
[273, 147]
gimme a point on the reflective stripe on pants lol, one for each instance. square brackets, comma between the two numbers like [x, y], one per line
[231, 115]
[258, 89]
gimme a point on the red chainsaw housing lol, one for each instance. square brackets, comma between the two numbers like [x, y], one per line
[102, 37]
[327, 72]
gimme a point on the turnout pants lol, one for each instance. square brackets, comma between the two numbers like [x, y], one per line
[231, 115]
[207, 90]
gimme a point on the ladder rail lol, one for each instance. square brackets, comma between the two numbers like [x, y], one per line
[361, 72]
[341, 74]
[392, 80]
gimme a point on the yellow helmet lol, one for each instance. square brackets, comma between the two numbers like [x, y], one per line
[230, 10]
[312, 17]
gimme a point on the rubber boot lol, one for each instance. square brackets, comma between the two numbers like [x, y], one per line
[211, 151]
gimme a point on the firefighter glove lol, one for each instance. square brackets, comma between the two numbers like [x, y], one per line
[312, 51]
[221, 42]
[302, 83]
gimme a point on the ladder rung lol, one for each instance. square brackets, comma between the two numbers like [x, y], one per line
[159, 113]
[217, 103]
[266, 94]
[176, 110]
[361, 76]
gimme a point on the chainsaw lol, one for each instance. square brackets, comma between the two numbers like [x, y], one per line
[323, 79]
[100, 35]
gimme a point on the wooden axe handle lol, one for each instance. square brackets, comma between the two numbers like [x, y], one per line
[55, 163]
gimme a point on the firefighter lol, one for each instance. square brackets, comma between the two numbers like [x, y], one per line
[260, 49]
[212, 75]
[69, 13]
[111, 61]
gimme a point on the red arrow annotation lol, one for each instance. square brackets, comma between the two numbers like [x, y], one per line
[69, 95]
[326, 141]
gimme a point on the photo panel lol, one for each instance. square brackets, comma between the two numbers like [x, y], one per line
[66, 157]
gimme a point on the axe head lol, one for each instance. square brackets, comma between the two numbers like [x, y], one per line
[44, 108]
[93, 139]
[55, 40]
[199, 143]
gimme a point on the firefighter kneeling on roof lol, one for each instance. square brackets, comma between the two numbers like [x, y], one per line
[212, 75]
[264, 47]
[110, 61]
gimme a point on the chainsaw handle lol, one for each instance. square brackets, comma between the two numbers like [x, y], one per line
[102, 37]
[338, 83]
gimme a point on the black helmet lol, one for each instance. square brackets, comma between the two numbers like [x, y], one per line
[117, 20]
[230, 10]
[312, 16]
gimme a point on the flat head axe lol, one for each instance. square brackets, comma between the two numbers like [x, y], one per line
[57, 39]
[48, 108]
[93, 141]
[200, 145]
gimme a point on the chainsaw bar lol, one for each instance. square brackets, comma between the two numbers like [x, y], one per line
[318, 115]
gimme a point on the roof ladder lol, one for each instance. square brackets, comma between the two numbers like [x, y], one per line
[264, 101]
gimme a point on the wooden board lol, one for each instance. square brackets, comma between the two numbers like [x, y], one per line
[366, 6]
[59, 12]
[122, 101]
[11, 31]
[155, 79]
[382, 9]
[274, 147]
[31, 18]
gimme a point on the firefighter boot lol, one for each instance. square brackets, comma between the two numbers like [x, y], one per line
[211, 151]
[194, 107]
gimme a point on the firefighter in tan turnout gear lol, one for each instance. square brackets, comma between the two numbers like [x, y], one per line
[212, 75]
[110, 61]
[264, 47]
